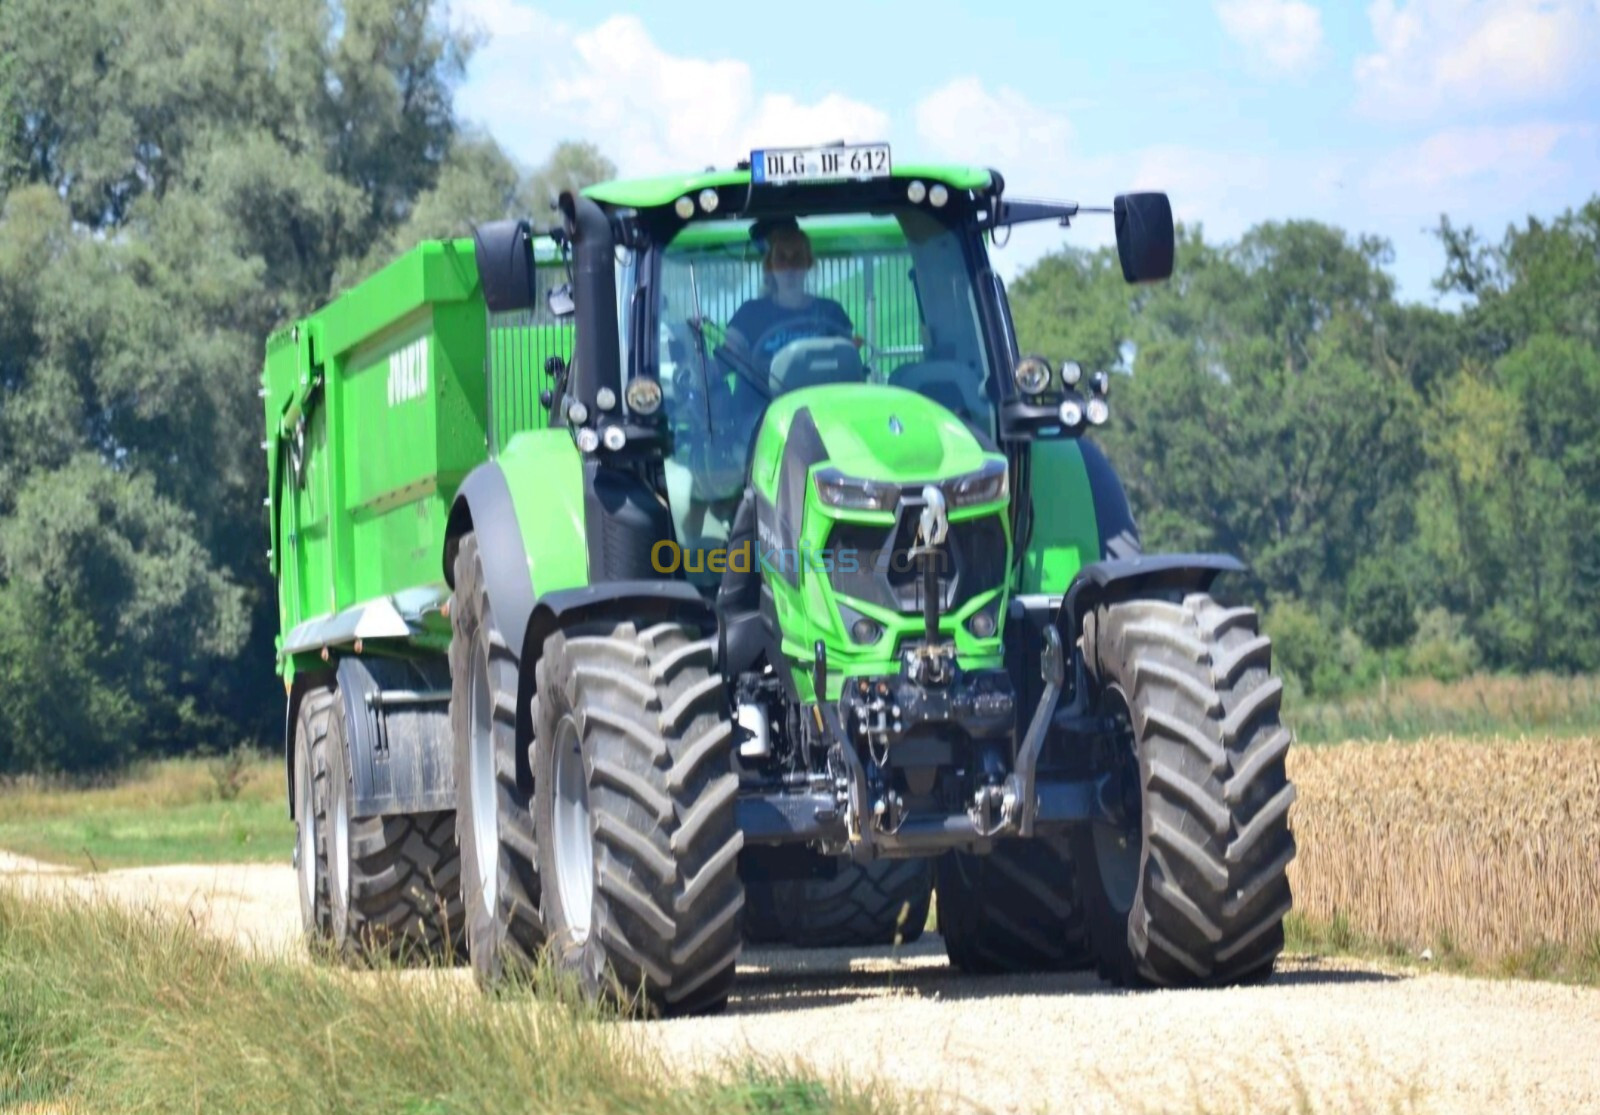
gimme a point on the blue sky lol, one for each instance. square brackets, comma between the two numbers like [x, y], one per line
[1374, 116]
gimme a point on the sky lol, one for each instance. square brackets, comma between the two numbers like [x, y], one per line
[1377, 117]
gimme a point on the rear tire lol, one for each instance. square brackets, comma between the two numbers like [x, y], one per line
[634, 807]
[394, 881]
[1191, 887]
[1015, 909]
[882, 902]
[494, 828]
[312, 717]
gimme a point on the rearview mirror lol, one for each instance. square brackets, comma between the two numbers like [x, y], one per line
[560, 301]
[1144, 236]
[504, 250]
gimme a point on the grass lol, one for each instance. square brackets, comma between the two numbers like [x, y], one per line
[103, 1008]
[227, 810]
[1482, 851]
[1486, 705]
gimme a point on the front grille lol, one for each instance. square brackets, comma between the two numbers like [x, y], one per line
[973, 561]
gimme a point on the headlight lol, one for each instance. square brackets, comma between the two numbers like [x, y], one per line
[836, 489]
[643, 395]
[988, 484]
[1032, 375]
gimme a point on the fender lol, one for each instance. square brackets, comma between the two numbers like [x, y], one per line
[645, 601]
[1128, 578]
[397, 729]
[527, 508]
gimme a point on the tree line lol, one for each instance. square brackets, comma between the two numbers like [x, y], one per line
[1414, 489]
[178, 178]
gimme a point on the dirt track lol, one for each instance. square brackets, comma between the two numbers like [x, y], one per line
[1343, 1035]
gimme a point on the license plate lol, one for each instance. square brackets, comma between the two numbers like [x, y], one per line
[783, 166]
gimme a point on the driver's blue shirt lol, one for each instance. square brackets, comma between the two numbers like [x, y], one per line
[768, 326]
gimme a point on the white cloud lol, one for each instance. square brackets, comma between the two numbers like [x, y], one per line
[537, 81]
[1284, 34]
[1456, 164]
[965, 120]
[1474, 53]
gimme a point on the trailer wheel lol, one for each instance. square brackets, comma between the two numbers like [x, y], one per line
[1015, 909]
[882, 902]
[312, 717]
[493, 825]
[1189, 886]
[395, 881]
[763, 921]
[634, 807]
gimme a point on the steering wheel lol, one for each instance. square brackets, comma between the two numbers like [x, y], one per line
[823, 329]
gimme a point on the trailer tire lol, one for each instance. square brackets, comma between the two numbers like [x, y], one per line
[763, 923]
[881, 902]
[312, 716]
[493, 826]
[394, 881]
[635, 809]
[1190, 888]
[1015, 909]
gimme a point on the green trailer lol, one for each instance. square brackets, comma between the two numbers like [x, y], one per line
[712, 567]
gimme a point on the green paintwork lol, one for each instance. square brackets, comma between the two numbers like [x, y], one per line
[544, 473]
[386, 389]
[645, 193]
[853, 420]
[1066, 536]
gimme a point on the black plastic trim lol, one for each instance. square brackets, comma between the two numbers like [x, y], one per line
[401, 750]
[1137, 576]
[483, 505]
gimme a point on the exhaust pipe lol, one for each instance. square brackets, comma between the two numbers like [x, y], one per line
[597, 355]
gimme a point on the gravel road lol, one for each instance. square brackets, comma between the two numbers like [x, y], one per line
[1342, 1035]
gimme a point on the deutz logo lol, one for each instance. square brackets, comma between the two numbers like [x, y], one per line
[895, 427]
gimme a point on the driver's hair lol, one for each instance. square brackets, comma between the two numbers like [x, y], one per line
[790, 242]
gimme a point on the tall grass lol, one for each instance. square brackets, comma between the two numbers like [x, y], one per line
[223, 810]
[1482, 850]
[106, 1009]
[1482, 705]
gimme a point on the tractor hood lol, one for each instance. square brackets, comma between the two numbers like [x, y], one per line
[868, 431]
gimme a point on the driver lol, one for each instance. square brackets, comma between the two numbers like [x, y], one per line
[786, 312]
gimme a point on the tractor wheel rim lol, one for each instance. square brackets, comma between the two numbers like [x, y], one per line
[484, 792]
[305, 813]
[572, 835]
[1118, 847]
[339, 850]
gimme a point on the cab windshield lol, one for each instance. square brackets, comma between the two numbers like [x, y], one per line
[750, 310]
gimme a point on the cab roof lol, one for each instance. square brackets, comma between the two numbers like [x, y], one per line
[646, 193]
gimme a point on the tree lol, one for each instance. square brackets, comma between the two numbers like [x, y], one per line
[165, 200]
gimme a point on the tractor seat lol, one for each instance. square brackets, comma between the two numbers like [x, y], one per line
[813, 362]
[947, 384]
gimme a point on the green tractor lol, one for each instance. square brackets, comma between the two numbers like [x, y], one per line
[771, 584]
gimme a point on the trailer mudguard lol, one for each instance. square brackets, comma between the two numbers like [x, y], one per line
[397, 730]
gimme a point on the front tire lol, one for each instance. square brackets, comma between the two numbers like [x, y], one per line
[635, 813]
[492, 823]
[1189, 887]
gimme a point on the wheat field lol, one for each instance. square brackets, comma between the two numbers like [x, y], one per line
[1488, 849]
